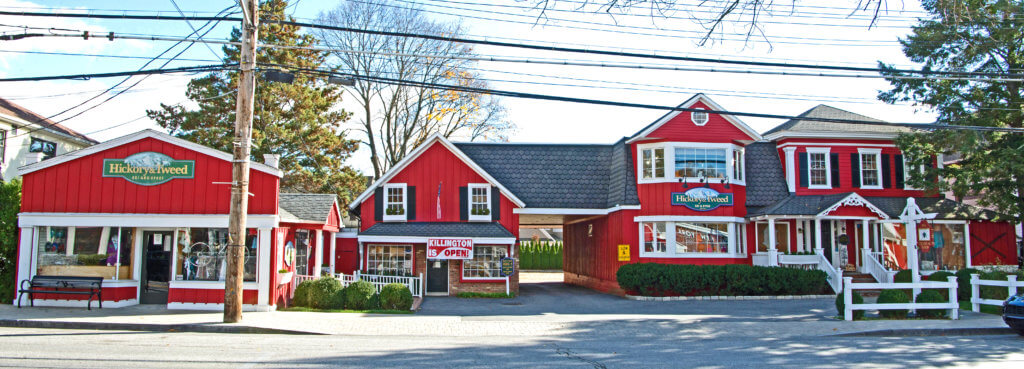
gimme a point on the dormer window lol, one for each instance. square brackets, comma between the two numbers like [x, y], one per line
[479, 202]
[394, 202]
[691, 162]
[699, 118]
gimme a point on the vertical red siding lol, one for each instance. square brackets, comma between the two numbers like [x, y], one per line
[993, 243]
[682, 129]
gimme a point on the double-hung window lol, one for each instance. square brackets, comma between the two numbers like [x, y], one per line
[737, 164]
[479, 202]
[653, 163]
[3, 145]
[870, 168]
[394, 202]
[818, 168]
[486, 262]
[907, 169]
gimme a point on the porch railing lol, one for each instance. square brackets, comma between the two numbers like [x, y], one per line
[876, 269]
[848, 287]
[835, 276]
[1010, 283]
[299, 278]
[415, 284]
[759, 259]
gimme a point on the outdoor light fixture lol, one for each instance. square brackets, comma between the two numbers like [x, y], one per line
[274, 75]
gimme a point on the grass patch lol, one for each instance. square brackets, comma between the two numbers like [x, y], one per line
[987, 309]
[378, 311]
[484, 295]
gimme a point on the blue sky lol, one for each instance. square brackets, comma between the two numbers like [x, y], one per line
[813, 32]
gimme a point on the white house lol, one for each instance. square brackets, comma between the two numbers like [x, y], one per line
[27, 137]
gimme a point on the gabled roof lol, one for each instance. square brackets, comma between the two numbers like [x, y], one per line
[686, 104]
[143, 134]
[409, 158]
[29, 117]
[439, 229]
[808, 127]
[307, 207]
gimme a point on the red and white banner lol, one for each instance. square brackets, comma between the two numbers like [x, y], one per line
[449, 248]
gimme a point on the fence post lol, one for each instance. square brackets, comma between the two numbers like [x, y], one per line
[1011, 285]
[954, 313]
[847, 299]
[420, 284]
[975, 293]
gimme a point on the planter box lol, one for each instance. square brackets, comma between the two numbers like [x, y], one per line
[284, 278]
[798, 259]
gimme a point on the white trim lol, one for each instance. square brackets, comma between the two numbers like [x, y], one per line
[852, 199]
[209, 285]
[693, 118]
[789, 144]
[685, 218]
[26, 258]
[791, 168]
[420, 150]
[861, 152]
[828, 134]
[79, 303]
[669, 149]
[469, 203]
[15, 121]
[571, 211]
[416, 239]
[757, 237]
[462, 266]
[263, 265]
[828, 167]
[140, 220]
[732, 228]
[687, 104]
[426, 274]
[211, 306]
[146, 133]
[405, 203]
[353, 234]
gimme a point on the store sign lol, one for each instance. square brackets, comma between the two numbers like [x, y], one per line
[624, 252]
[148, 168]
[508, 267]
[924, 236]
[701, 199]
[449, 248]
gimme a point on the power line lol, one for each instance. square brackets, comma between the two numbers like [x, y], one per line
[106, 55]
[84, 76]
[531, 46]
[194, 30]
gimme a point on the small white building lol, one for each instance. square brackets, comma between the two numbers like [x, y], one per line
[27, 137]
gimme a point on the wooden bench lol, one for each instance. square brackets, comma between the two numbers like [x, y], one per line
[62, 285]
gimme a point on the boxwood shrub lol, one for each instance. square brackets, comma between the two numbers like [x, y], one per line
[841, 306]
[931, 296]
[323, 293]
[963, 281]
[395, 296]
[361, 296]
[653, 279]
[893, 297]
[301, 295]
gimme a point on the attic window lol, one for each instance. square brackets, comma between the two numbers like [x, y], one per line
[699, 118]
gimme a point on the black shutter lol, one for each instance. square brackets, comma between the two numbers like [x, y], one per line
[410, 203]
[899, 171]
[803, 169]
[495, 204]
[463, 201]
[835, 170]
[886, 171]
[378, 204]
[826, 238]
[854, 170]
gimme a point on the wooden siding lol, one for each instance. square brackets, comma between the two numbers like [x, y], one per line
[682, 129]
[109, 294]
[993, 243]
[845, 176]
[207, 296]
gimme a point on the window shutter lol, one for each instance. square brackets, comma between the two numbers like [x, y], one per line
[495, 204]
[463, 203]
[886, 171]
[410, 203]
[899, 171]
[378, 204]
[803, 170]
[854, 170]
[835, 170]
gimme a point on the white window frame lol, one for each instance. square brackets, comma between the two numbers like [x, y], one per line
[469, 202]
[906, 174]
[757, 237]
[738, 166]
[828, 167]
[411, 252]
[670, 246]
[405, 203]
[495, 278]
[653, 169]
[695, 114]
[877, 153]
[670, 157]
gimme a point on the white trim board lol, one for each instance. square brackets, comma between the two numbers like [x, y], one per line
[417, 239]
[140, 220]
[789, 144]
[573, 211]
[146, 133]
[828, 134]
[686, 218]
[210, 285]
[408, 159]
[687, 104]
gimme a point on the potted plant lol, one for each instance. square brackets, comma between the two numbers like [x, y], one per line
[394, 211]
[284, 276]
[480, 211]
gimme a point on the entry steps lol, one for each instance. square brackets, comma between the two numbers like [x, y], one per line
[863, 278]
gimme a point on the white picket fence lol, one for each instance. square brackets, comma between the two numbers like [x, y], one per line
[299, 278]
[415, 284]
[848, 287]
[1010, 283]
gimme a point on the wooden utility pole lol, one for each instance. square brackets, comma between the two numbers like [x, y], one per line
[240, 164]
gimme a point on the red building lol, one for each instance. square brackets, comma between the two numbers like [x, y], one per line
[690, 188]
[149, 213]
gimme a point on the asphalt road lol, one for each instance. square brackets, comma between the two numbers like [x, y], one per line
[24, 347]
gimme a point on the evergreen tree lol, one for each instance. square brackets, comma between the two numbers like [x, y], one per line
[299, 121]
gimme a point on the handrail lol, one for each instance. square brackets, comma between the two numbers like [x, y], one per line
[877, 270]
[835, 277]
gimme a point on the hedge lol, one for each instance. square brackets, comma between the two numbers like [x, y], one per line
[931, 296]
[395, 296]
[893, 297]
[841, 305]
[361, 295]
[10, 203]
[651, 279]
[540, 255]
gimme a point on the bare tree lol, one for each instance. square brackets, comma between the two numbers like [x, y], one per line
[395, 117]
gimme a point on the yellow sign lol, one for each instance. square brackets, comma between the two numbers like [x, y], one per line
[623, 252]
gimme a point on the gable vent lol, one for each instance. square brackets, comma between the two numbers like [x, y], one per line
[699, 118]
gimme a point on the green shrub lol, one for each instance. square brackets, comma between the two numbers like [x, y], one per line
[395, 296]
[841, 306]
[322, 293]
[301, 296]
[337, 300]
[928, 296]
[358, 295]
[374, 302]
[893, 297]
[903, 276]
[963, 281]
[652, 279]
[994, 292]
[940, 276]
[10, 205]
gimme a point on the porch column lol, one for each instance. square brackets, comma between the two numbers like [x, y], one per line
[865, 244]
[318, 258]
[334, 242]
[799, 235]
[773, 254]
[24, 257]
[817, 237]
[264, 267]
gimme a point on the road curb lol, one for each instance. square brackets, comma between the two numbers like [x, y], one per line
[731, 298]
[930, 332]
[198, 328]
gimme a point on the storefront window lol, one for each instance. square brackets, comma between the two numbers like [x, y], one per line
[202, 254]
[486, 262]
[947, 251]
[85, 251]
[702, 238]
[781, 237]
[654, 237]
[700, 162]
[389, 260]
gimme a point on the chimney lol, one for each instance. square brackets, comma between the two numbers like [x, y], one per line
[271, 159]
[34, 157]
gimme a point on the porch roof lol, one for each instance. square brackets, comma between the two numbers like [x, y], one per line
[439, 229]
[810, 205]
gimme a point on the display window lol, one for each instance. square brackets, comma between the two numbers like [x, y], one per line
[485, 264]
[948, 249]
[85, 251]
[389, 260]
[687, 239]
[202, 254]
[781, 237]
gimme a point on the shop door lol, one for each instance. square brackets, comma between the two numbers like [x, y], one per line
[302, 252]
[437, 276]
[156, 266]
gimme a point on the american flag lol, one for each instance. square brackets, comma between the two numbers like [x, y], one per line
[439, 200]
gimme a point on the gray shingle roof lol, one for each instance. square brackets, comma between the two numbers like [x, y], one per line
[892, 206]
[766, 181]
[828, 112]
[305, 207]
[439, 229]
[577, 176]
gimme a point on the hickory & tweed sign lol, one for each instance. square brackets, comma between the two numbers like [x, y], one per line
[148, 168]
[701, 199]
